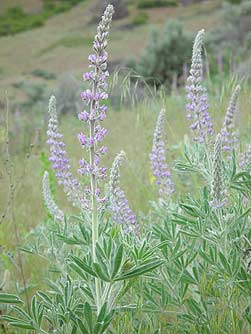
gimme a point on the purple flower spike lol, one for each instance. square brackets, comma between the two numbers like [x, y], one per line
[60, 162]
[95, 110]
[228, 133]
[159, 166]
[119, 205]
[197, 106]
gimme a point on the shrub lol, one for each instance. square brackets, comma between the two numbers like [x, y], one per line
[234, 2]
[15, 20]
[165, 54]
[67, 93]
[156, 3]
[230, 43]
[140, 18]
[43, 74]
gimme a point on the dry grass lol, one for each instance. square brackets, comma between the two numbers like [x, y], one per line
[62, 45]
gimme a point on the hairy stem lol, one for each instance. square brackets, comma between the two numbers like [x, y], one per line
[94, 209]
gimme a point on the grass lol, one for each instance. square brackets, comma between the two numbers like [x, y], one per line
[130, 129]
[63, 43]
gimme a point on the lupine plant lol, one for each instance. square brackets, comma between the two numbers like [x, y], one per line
[186, 270]
[100, 264]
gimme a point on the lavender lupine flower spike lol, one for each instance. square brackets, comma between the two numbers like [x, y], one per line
[122, 213]
[59, 160]
[228, 132]
[159, 166]
[218, 188]
[49, 201]
[197, 106]
[96, 112]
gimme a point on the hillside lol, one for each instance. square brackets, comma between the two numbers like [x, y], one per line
[63, 43]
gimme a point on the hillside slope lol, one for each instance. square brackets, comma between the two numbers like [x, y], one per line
[62, 45]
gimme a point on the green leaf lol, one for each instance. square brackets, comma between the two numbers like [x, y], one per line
[21, 324]
[117, 261]
[225, 263]
[46, 299]
[100, 272]
[194, 306]
[10, 299]
[82, 327]
[140, 270]
[187, 278]
[88, 316]
[82, 265]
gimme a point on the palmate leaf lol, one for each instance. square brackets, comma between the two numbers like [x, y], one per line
[81, 265]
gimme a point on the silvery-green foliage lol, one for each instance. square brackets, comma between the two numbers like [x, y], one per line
[206, 268]
[218, 191]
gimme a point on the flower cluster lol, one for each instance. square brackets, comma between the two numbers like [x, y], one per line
[218, 188]
[228, 132]
[159, 166]
[197, 106]
[49, 201]
[119, 206]
[95, 111]
[59, 160]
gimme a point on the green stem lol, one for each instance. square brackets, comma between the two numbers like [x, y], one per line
[95, 224]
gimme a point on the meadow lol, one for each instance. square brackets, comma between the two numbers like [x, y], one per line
[144, 258]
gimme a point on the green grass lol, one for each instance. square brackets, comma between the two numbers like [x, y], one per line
[71, 41]
[130, 129]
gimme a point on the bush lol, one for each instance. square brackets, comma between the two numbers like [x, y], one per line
[156, 3]
[15, 20]
[231, 40]
[140, 18]
[165, 54]
[234, 2]
[43, 74]
[67, 93]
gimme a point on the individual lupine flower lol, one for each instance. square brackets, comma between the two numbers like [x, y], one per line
[49, 201]
[119, 205]
[160, 169]
[59, 160]
[95, 111]
[218, 190]
[228, 132]
[197, 106]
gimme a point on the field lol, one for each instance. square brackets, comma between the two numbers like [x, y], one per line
[183, 269]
